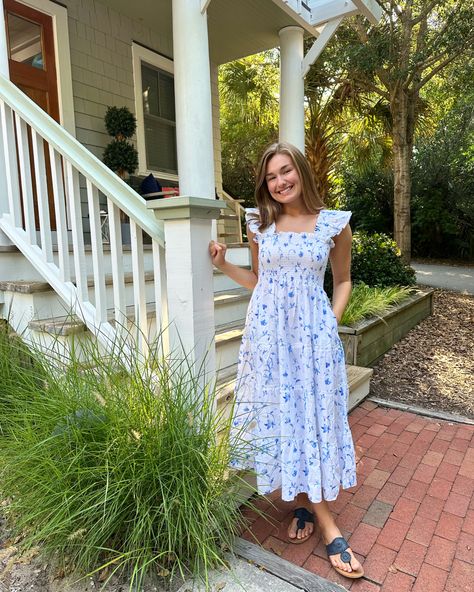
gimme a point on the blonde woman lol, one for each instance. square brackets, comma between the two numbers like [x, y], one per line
[291, 393]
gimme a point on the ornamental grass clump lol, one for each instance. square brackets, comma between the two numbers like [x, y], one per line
[119, 466]
[367, 301]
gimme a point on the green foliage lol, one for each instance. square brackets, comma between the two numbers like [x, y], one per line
[369, 196]
[120, 122]
[367, 301]
[121, 157]
[248, 91]
[376, 261]
[443, 188]
[119, 464]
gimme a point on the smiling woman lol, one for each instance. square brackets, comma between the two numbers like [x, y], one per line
[292, 391]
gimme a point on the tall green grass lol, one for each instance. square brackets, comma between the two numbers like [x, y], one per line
[118, 464]
[367, 301]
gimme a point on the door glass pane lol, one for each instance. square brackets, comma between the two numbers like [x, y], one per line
[25, 41]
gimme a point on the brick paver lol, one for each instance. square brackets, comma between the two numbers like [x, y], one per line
[409, 519]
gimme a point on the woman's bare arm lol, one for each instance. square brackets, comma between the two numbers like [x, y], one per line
[245, 277]
[340, 258]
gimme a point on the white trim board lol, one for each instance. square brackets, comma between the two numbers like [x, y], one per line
[142, 54]
[63, 59]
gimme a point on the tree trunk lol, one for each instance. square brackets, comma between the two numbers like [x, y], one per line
[402, 152]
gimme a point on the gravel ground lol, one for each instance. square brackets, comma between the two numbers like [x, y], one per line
[433, 365]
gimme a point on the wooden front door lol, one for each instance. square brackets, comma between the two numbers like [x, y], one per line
[31, 54]
[32, 64]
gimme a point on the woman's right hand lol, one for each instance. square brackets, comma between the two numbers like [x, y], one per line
[217, 252]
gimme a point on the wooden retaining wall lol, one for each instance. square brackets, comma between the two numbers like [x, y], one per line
[367, 341]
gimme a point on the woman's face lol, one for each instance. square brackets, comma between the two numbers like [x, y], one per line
[283, 181]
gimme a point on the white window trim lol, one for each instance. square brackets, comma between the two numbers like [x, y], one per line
[63, 59]
[142, 54]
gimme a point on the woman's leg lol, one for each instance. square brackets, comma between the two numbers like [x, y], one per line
[302, 501]
[330, 531]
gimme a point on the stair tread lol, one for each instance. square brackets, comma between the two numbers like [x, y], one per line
[232, 295]
[31, 287]
[69, 324]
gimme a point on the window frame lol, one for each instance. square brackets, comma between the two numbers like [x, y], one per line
[142, 54]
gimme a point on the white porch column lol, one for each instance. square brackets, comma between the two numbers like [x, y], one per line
[192, 84]
[189, 275]
[4, 71]
[188, 218]
[292, 87]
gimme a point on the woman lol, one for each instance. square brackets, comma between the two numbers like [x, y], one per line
[291, 393]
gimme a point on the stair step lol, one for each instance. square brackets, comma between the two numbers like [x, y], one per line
[72, 324]
[232, 295]
[228, 217]
[33, 287]
[228, 332]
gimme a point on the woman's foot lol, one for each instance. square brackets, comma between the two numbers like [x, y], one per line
[329, 535]
[302, 525]
[329, 532]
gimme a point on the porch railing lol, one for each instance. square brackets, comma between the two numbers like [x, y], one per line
[45, 165]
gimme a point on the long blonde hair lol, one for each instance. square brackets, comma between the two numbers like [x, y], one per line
[270, 209]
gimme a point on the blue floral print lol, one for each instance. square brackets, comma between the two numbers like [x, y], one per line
[291, 391]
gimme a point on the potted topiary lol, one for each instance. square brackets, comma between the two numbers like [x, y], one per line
[120, 155]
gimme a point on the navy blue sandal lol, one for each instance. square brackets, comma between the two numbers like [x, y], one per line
[303, 516]
[340, 546]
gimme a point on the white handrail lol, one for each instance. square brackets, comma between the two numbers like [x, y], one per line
[121, 194]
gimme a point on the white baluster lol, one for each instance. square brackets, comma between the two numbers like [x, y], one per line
[139, 297]
[161, 302]
[75, 213]
[11, 168]
[42, 196]
[25, 178]
[97, 252]
[59, 196]
[116, 258]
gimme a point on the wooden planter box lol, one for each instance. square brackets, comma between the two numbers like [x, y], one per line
[366, 341]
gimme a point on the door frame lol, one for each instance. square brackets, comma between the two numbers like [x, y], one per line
[62, 58]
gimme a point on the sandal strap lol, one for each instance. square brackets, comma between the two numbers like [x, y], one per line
[339, 546]
[303, 516]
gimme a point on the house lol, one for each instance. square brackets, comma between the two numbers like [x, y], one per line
[62, 245]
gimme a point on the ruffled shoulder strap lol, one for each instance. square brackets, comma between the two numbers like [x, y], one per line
[333, 222]
[252, 219]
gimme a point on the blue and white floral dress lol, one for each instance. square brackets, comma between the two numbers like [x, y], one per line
[291, 390]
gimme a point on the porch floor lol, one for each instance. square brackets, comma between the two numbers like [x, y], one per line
[409, 519]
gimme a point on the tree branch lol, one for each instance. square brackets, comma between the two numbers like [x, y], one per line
[425, 12]
[438, 68]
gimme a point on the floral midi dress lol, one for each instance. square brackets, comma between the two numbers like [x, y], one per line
[291, 390]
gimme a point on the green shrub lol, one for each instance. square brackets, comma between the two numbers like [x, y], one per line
[120, 464]
[376, 261]
[367, 301]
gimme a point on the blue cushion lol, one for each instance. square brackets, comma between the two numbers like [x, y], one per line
[149, 185]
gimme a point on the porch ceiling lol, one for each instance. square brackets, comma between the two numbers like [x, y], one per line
[237, 28]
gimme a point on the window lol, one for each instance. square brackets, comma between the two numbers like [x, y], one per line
[155, 108]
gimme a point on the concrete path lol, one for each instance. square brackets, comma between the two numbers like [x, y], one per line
[451, 277]
[409, 519]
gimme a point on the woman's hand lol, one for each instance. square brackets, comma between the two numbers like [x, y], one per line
[217, 252]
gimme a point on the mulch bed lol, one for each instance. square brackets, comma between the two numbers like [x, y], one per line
[433, 365]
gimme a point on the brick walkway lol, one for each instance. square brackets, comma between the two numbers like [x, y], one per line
[409, 519]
